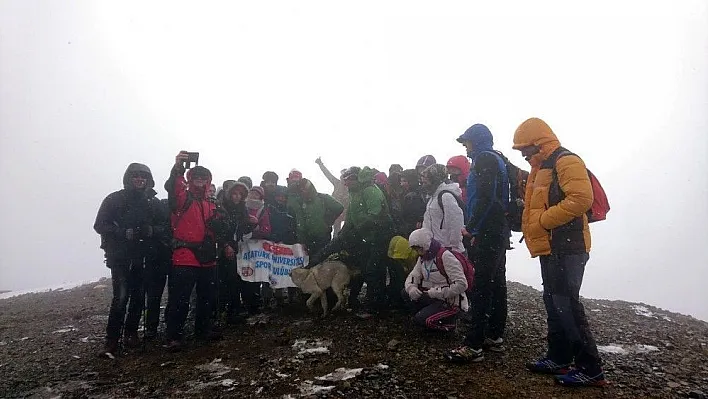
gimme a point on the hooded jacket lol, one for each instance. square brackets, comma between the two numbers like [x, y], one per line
[426, 275]
[450, 235]
[191, 213]
[283, 226]
[314, 214]
[399, 250]
[368, 215]
[129, 209]
[412, 204]
[463, 164]
[487, 189]
[554, 226]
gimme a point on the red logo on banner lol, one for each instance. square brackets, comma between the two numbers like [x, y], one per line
[247, 271]
[276, 249]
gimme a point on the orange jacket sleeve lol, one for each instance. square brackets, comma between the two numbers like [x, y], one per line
[575, 184]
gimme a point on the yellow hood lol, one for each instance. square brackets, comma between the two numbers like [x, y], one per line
[535, 131]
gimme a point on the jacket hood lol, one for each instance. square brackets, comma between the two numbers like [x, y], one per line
[366, 176]
[434, 175]
[307, 188]
[198, 170]
[481, 138]
[535, 131]
[460, 162]
[399, 248]
[137, 167]
[451, 186]
[423, 238]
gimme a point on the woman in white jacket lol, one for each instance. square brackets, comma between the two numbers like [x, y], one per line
[446, 226]
[436, 298]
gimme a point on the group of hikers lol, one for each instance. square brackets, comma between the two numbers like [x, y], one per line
[431, 239]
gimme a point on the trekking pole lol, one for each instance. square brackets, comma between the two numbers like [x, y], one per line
[145, 286]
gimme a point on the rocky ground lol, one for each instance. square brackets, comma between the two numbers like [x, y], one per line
[49, 341]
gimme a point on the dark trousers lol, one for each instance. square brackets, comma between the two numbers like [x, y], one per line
[488, 306]
[433, 314]
[182, 281]
[155, 279]
[569, 336]
[127, 294]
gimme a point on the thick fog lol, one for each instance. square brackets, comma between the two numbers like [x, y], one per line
[88, 87]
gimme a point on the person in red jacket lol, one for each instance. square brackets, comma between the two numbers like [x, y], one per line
[194, 255]
[458, 167]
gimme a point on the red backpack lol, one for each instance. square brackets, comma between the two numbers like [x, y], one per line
[600, 205]
[467, 266]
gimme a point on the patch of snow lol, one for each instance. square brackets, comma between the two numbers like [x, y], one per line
[643, 311]
[282, 375]
[596, 310]
[3, 343]
[85, 340]
[59, 287]
[215, 367]
[645, 348]
[381, 366]
[24, 338]
[227, 382]
[65, 329]
[341, 374]
[316, 347]
[259, 390]
[307, 389]
[666, 318]
[257, 319]
[618, 350]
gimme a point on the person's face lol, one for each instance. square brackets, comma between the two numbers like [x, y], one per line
[138, 180]
[199, 181]
[529, 151]
[269, 185]
[404, 183]
[211, 191]
[454, 173]
[237, 196]
[468, 146]
[420, 251]
[253, 195]
[350, 181]
[281, 199]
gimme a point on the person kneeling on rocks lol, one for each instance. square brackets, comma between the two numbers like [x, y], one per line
[436, 286]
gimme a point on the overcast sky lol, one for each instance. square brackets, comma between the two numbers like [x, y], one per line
[88, 87]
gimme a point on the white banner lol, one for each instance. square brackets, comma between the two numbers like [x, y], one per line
[268, 262]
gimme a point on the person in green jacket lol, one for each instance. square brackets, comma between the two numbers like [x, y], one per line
[365, 236]
[314, 215]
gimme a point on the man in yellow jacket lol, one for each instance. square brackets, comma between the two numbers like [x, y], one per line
[555, 227]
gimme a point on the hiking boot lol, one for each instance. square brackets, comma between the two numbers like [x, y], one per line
[494, 345]
[464, 354]
[110, 349]
[131, 340]
[548, 366]
[581, 378]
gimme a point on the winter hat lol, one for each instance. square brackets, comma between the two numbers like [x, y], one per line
[351, 173]
[421, 238]
[270, 176]
[235, 185]
[259, 190]
[395, 168]
[247, 181]
[411, 177]
[199, 171]
[435, 174]
[295, 175]
[426, 161]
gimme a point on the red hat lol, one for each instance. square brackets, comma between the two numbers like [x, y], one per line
[295, 175]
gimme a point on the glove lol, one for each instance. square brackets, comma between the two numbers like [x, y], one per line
[415, 293]
[435, 293]
[129, 234]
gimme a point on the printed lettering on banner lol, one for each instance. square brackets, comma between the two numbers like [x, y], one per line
[268, 262]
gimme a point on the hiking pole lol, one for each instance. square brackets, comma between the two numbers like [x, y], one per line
[145, 286]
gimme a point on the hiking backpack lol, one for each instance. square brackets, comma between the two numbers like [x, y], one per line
[600, 205]
[517, 190]
[467, 266]
[442, 208]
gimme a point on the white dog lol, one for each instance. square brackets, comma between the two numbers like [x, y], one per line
[316, 280]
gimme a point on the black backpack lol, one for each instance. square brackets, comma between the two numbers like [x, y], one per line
[517, 188]
[442, 208]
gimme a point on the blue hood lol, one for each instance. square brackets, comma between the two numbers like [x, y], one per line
[481, 139]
